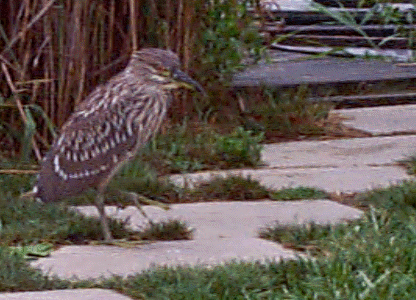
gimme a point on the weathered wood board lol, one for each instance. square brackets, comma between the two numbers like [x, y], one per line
[322, 71]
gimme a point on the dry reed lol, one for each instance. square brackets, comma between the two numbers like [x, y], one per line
[57, 51]
[54, 52]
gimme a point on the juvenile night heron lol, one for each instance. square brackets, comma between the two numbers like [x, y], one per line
[109, 127]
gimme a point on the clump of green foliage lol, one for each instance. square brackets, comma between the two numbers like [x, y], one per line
[185, 149]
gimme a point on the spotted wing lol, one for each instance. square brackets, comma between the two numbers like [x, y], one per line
[94, 144]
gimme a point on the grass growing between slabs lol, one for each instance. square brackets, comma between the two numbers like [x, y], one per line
[24, 222]
[370, 258]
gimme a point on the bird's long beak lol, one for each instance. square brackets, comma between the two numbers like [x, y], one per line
[187, 82]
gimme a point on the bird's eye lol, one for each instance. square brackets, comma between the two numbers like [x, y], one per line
[165, 72]
[173, 73]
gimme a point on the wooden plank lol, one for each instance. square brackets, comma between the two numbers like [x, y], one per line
[309, 17]
[370, 30]
[345, 41]
[338, 3]
[400, 55]
[322, 71]
[395, 98]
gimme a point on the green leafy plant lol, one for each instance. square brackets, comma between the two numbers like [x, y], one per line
[380, 13]
[31, 252]
[240, 148]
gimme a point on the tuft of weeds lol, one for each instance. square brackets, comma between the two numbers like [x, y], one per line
[167, 231]
[298, 193]
[409, 164]
[298, 237]
[230, 188]
[218, 188]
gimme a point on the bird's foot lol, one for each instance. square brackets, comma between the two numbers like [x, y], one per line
[123, 243]
[137, 199]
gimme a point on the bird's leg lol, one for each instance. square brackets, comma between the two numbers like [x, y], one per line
[135, 198]
[138, 199]
[99, 203]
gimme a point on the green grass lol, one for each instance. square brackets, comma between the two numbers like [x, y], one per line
[26, 222]
[372, 258]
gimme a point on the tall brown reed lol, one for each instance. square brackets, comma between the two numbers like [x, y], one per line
[56, 51]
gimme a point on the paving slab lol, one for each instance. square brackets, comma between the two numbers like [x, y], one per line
[84, 294]
[234, 219]
[348, 165]
[86, 262]
[381, 119]
[330, 179]
[224, 232]
[369, 151]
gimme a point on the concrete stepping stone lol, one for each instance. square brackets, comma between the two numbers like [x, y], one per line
[84, 294]
[347, 165]
[369, 151]
[86, 262]
[224, 231]
[381, 119]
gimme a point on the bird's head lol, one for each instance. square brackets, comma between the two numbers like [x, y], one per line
[162, 67]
